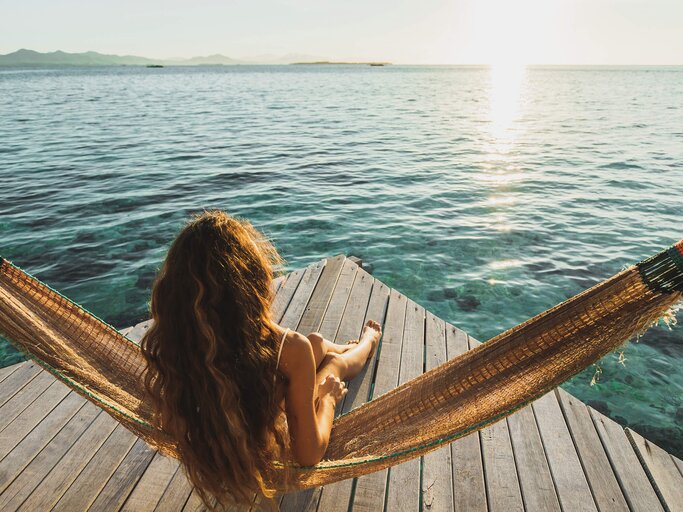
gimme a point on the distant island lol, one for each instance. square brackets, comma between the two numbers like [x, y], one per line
[25, 57]
[332, 62]
[31, 58]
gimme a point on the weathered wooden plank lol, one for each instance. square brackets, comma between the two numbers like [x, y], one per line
[339, 300]
[502, 484]
[262, 504]
[570, 480]
[53, 486]
[630, 474]
[312, 316]
[538, 490]
[17, 380]
[24, 424]
[285, 294]
[368, 297]
[149, 489]
[469, 487]
[137, 332]
[8, 370]
[90, 481]
[126, 330]
[370, 489]
[599, 473]
[403, 492]
[277, 282]
[121, 483]
[367, 301]
[194, 503]
[333, 289]
[437, 478]
[297, 305]
[176, 494]
[13, 494]
[660, 469]
[678, 462]
[23, 398]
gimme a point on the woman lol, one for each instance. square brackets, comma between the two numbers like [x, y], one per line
[236, 391]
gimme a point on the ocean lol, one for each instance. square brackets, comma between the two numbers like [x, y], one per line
[486, 195]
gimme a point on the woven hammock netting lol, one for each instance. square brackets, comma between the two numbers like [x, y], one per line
[463, 395]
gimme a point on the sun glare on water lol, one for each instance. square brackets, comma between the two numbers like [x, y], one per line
[506, 80]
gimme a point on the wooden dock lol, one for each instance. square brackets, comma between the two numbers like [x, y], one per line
[60, 452]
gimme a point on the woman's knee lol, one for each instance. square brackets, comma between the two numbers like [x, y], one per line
[318, 345]
[316, 338]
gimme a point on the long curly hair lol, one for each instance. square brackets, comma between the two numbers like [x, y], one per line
[211, 355]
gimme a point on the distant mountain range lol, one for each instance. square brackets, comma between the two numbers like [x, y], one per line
[25, 57]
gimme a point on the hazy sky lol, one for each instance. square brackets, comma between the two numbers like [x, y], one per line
[400, 31]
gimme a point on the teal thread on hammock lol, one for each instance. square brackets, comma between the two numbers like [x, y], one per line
[663, 272]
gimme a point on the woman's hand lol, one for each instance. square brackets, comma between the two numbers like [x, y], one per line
[333, 387]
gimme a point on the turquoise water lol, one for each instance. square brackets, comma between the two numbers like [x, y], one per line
[486, 196]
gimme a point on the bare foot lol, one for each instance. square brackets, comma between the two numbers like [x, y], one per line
[371, 332]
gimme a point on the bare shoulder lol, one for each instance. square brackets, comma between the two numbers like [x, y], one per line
[297, 353]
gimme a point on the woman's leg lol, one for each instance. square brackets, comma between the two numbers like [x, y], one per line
[349, 363]
[322, 347]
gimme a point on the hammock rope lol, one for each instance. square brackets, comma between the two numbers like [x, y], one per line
[465, 394]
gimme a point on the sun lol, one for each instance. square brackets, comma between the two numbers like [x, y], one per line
[505, 33]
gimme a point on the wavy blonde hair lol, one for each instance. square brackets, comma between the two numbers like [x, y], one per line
[211, 356]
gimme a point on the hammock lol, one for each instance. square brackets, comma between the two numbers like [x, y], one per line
[463, 395]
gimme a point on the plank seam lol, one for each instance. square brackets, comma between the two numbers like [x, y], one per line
[125, 502]
[63, 455]
[646, 468]
[68, 488]
[165, 488]
[130, 491]
[99, 444]
[16, 365]
[340, 406]
[36, 454]
[547, 461]
[329, 299]
[487, 495]
[46, 414]
[20, 388]
[576, 448]
[679, 468]
[514, 458]
[420, 497]
[378, 355]
[611, 460]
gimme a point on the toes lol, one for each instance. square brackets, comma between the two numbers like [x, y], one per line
[372, 324]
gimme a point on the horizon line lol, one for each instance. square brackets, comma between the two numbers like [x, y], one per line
[252, 61]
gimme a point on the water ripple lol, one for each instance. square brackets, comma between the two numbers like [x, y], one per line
[485, 217]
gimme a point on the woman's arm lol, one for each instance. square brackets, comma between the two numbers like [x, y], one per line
[309, 407]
